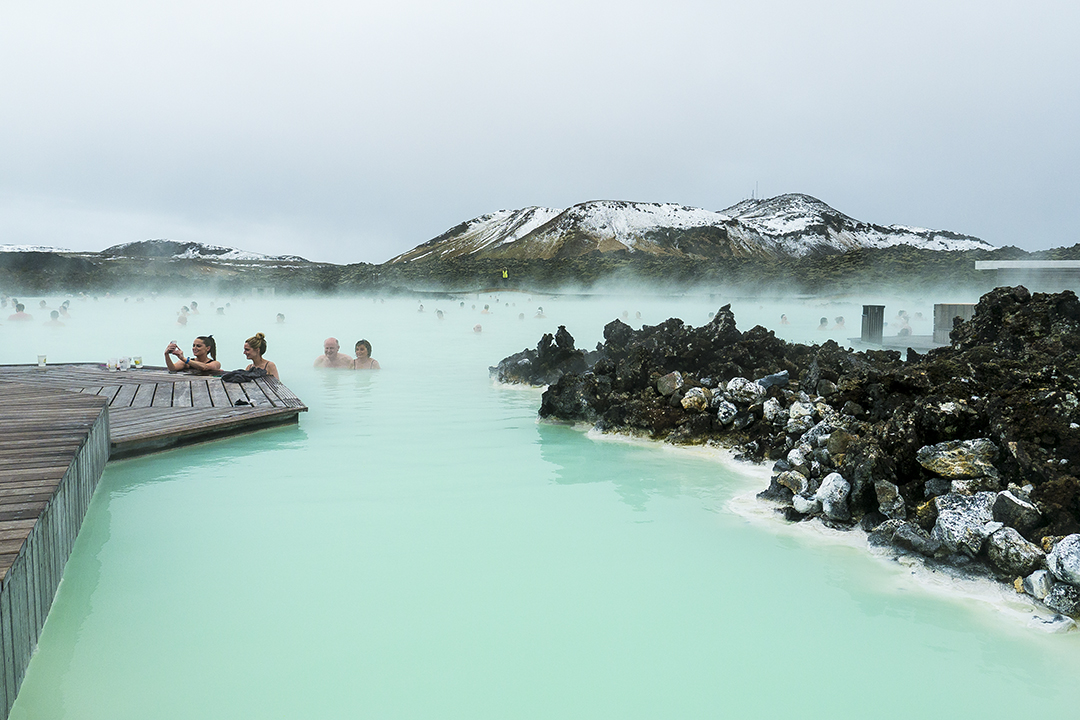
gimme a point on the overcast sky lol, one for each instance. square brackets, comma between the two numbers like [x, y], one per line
[350, 131]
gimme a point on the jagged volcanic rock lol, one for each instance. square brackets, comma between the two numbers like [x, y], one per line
[554, 356]
[1006, 392]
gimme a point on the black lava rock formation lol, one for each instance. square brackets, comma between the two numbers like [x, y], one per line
[554, 356]
[967, 451]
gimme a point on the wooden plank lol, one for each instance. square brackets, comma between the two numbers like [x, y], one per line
[144, 396]
[269, 390]
[217, 393]
[200, 393]
[15, 584]
[182, 393]
[6, 629]
[256, 393]
[124, 396]
[162, 395]
[235, 391]
[109, 392]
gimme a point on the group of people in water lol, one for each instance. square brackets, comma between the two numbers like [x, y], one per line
[332, 357]
[823, 324]
[56, 317]
[203, 358]
[902, 322]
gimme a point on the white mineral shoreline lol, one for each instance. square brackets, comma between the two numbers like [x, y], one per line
[909, 571]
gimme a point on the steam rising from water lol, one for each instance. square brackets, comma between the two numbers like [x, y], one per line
[420, 546]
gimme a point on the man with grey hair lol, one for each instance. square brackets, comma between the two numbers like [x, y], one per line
[331, 358]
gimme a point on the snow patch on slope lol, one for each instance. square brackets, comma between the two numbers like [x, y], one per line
[31, 248]
[491, 230]
[170, 249]
[794, 225]
[629, 222]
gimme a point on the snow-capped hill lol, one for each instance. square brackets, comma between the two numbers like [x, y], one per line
[169, 249]
[785, 214]
[627, 223]
[473, 236]
[793, 225]
[613, 225]
[800, 224]
[31, 248]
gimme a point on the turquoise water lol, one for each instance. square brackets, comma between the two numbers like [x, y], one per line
[421, 547]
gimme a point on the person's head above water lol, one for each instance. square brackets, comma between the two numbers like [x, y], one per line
[363, 346]
[257, 343]
[254, 348]
[208, 342]
[331, 356]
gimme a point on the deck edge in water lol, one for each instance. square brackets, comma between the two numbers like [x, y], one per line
[62, 424]
[28, 588]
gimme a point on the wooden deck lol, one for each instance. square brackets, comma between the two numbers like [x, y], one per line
[58, 427]
[152, 409]
[53, 448]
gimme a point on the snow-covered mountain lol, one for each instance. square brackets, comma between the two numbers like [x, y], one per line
[801, 225]
[791, 225]
[30, 248]
[188, 251]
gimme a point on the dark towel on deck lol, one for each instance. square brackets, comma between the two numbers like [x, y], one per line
[243, 376]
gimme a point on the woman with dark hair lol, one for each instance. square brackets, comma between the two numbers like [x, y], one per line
[363, 360]
[254, 347]
[202, 360]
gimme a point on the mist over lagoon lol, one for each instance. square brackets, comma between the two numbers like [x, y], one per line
[421, 546]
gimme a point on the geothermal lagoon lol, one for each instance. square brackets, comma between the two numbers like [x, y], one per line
[420, 546]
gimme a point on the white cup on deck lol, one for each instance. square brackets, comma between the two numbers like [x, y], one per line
[125, 363]
[113, 363]
[41, 361]
[137, 361]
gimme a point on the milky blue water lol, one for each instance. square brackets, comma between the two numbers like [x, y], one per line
[419, 546]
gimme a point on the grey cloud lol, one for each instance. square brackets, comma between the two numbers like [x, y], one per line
[352, 132]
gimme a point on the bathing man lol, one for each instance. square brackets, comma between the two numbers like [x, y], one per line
[331, 358]
[20, 313]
